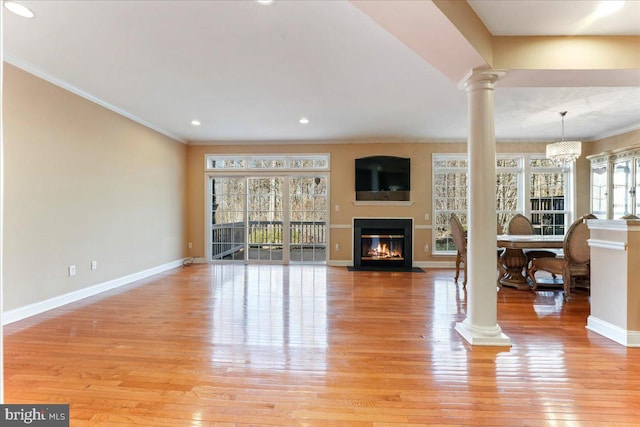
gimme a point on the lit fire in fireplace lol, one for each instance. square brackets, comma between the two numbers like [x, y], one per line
[382, 244]
[382, 251]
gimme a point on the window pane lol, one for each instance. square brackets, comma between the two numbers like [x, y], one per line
[309, 163]
[227, 218]
[450, 188]
[547, 199]
[508, 163]
[507, 197]
[621, 188]
[449, 163]
[542, 163]
[266, 163]
[226, 163]
[599, 195]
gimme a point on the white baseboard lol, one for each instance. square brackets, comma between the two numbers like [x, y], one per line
[613, 332]
[340, 263]
[55, 302]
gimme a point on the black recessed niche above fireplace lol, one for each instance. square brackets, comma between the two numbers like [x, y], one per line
[383, 244]
[383, 178]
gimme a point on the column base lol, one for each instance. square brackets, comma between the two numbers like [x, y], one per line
[477, 335]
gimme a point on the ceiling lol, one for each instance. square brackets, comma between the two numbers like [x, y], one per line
[249, 72]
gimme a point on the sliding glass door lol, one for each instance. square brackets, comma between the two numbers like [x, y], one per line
[277, 219]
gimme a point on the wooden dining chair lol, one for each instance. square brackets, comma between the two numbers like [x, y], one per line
[520, 225]
[574, 263]
[460, 240]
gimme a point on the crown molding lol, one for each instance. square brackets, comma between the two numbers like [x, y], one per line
[25, 66]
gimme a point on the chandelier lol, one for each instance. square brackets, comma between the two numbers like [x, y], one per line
[564, 152]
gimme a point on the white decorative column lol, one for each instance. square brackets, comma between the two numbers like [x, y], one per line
[1, 221]
[481, 327]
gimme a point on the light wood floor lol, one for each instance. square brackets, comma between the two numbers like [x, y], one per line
[317, 346]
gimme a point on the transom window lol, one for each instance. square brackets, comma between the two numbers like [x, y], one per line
[527, 184]
[271, 162]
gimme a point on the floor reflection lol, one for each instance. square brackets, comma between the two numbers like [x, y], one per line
[548, 302]
[269, 314]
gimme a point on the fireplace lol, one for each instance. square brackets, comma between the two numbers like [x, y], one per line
[382, 244]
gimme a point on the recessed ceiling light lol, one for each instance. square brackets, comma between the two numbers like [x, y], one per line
[196, 122]
[264, 1]
[19, 9]
[609, 7]
[303, 121]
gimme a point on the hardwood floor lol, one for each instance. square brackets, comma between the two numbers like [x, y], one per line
[232, 345]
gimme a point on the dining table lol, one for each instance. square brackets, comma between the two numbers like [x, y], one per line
[513, 259]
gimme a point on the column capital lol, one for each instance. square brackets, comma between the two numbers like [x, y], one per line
[481, 77]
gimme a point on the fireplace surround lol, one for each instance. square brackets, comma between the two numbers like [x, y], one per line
[383, 244]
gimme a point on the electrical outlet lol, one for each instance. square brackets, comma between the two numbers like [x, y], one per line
[337, 247]
[72, 270]
[337, 208]
[426, 217]
[94, 265]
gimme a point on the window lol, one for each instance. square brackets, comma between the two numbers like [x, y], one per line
[544, 196]
[548, 197]
[309, 162]
[450, 184]
[615, 184]
[269, 162]
[599, 189]
[266, 163]
[225, 163]
[508, 188]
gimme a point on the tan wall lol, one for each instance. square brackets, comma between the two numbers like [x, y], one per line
[566, 53]
[617, 142]
[342, 184]
[83, 183]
